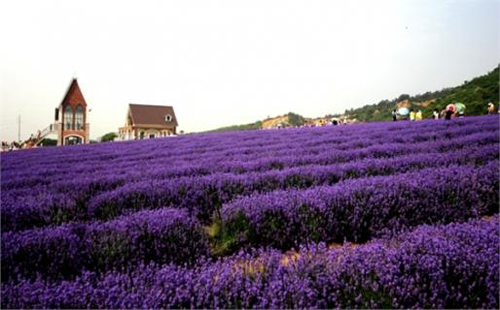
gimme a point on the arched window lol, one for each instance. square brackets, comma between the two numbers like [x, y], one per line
[168, 118]
[79, 118]
[68, 118]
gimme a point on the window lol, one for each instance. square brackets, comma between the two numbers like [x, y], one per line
[168, 118]
[79, 118]
[68, 118]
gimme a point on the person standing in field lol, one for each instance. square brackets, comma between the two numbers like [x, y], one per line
[412, 115]
[394, 116]
[449, 114]
[450, 111]
[435, 114]
[491, 108]
[418, 115]
[460, 109]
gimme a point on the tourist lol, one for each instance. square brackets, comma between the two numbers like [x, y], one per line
[450, 111]
[435, 114]
[412, 115]
[394, 116]
[418, 115]
[449, 114]
[491, 108]
[460, 109]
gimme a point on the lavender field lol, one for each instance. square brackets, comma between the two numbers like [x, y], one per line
[381, 215]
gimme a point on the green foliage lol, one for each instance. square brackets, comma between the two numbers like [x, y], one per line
[48, 142]
[227, 238]
[295, 119]
[475, 94]
[110, 136]
[251, 126]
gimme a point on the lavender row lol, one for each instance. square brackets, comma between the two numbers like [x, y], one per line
[204, 195]
[449, 266]
[359, 210]
[162, 236]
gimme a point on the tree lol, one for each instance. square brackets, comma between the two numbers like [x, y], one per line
[110, 136]
[295, 119]
[403, 97]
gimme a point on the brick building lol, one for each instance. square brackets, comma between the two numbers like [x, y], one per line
[71, 117]
[70, 121]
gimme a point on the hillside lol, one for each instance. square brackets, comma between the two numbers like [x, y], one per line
[475, 94]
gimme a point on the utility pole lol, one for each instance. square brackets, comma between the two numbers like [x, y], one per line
[19, 128]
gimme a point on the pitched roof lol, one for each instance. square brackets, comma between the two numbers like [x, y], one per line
[144, 114]
[73, 94]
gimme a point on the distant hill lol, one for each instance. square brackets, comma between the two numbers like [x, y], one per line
[292, 118]
[475, 94]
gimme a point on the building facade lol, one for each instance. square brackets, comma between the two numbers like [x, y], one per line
[148, 122]
[70, 121]
[71, 117]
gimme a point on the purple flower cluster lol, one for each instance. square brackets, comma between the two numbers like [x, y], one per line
[162, 236]
[443, 266]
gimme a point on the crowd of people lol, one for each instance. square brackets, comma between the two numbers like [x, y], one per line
[452, 110]
[28, 144]
[10, 146]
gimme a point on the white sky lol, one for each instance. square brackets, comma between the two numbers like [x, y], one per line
[221, 63]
